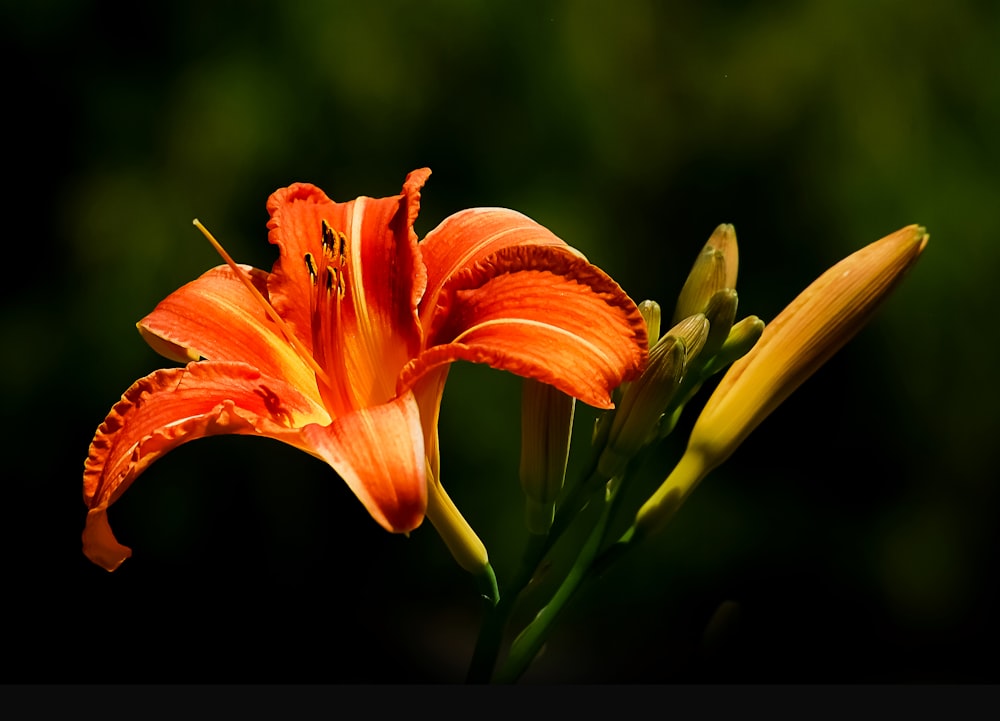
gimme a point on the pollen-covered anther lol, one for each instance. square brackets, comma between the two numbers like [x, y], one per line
[334, 243]
[329, 239]
[334, 279]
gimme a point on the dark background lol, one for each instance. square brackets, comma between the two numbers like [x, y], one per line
[854, 532]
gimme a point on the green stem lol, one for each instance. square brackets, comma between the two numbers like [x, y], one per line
[487, 650]
[528, 643]
[591, 562]
[484, 657]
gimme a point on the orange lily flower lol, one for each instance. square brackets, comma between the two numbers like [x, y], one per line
[342, 350]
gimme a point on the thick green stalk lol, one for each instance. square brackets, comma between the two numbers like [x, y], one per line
[490, 639]
[484, 657]
[528, 643]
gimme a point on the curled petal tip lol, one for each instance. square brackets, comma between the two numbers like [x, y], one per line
[170, 351]
[100, 544]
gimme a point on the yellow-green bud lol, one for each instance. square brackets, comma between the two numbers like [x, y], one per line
[692, 332]
[714, 269]
[712, 358]
[791, 348]
[650, 312]
[546, 427]
[742, 337]
[720, 312]
[637, 416]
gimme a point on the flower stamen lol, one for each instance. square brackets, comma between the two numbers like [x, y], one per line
[325, 305]
[265, 304]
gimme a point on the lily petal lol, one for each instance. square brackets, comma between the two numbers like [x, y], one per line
[379, 265]
[543, 313]
[470, 236]
[379, 452]
[170, 407]
[217, 318]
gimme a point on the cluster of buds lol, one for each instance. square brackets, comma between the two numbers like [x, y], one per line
[765, 366]
[644, 401]
[704, 339]
[794, 345]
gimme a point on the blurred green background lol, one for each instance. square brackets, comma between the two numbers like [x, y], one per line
[854, 533]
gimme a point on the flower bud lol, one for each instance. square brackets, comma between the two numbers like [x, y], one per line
[644, 401]
[714, 269]
[650, 312]
[546, 427]
[791, 348]
[720, 312]
[692, 332]
[742, 337]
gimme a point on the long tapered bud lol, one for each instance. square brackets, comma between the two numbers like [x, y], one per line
[546, 431]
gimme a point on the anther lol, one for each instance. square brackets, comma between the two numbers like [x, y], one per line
[311, 267]
[341, 247]
[329, 238]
